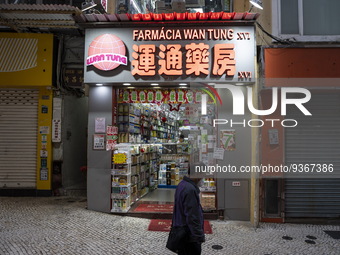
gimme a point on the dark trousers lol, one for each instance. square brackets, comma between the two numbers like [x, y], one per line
[191, 249]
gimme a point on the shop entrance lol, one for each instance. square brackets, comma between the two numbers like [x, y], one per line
[164, 135]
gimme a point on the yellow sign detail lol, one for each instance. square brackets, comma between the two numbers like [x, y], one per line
[119, 158]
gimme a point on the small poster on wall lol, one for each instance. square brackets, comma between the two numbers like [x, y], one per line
[56, 130]
[98, 142]
[44, 130]
[111, 137]
[99, 125]
[218, 153]
[227, 139]
[43, 174]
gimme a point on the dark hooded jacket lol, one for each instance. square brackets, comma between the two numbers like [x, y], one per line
[188, 211]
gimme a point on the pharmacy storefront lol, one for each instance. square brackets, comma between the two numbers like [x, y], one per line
[160, 107]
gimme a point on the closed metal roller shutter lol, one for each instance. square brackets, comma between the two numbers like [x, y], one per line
[316, 140]
[18, 137]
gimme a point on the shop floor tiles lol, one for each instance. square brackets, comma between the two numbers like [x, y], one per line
[165, 225]
[156, 208]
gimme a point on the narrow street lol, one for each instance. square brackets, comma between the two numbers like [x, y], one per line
[63, 225]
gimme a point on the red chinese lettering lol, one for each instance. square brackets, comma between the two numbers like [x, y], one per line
[171, 61]
[144, 63]
[197, 58]
[224, 59]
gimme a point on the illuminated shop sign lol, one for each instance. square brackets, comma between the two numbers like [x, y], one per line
[170, 54]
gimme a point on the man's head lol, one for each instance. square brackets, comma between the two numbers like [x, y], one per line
[181, 138]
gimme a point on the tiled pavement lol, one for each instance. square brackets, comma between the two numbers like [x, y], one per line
[63, 225]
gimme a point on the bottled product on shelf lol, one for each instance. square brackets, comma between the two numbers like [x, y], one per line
[172, 169]
[208, 201]
[208, 184]
[142, 123]
[208, 194]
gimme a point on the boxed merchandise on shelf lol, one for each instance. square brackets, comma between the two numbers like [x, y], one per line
[121, 205]
[153, 181]
[120, 192]
[134, 197]
[177, 176]
[134, 128]
[208, 184]
[134, 180]
[134, 188]
[121, 180]
[162, 177]
[134, 170]
[173, 171]
[134, 119]
[208, 201]
[162, 182]
[162, 167]
[208, 189]
[116, 171]
[143, 191]
[134, 159]
[143, 168]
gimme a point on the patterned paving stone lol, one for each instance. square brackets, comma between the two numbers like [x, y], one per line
[56, 226]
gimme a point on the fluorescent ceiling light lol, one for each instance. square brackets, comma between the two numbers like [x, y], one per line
[99, 84]
[257, 3]
[183, 84]
[126, 84]
[154, 84]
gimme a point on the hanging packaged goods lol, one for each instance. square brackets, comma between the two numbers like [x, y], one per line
[164, 96]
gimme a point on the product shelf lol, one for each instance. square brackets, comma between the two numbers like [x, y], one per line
[120, 210]
[207, 189]
[208, 209]
[119, 196]
[162, 186]
[120, 185]
[119, 172]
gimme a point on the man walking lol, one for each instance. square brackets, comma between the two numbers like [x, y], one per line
[188, 213]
